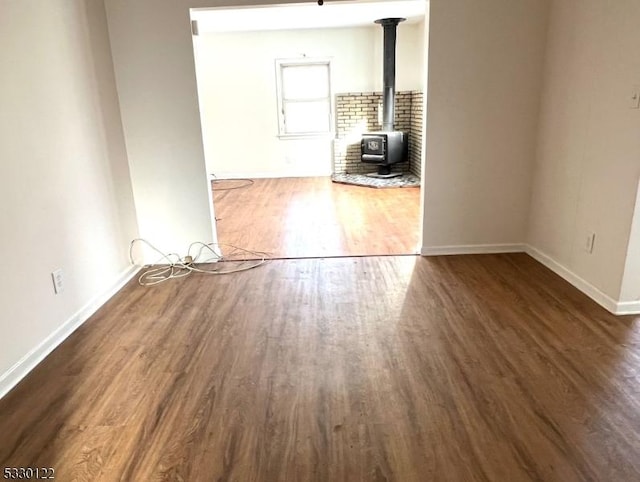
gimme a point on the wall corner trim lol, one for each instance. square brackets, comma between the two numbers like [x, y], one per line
[21, 369]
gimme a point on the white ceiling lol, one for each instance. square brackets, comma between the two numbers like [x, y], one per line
[310, 15]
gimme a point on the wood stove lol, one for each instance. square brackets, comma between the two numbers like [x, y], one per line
[388, 146]
[385, 149]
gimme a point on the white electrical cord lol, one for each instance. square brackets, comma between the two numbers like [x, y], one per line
[172, 265]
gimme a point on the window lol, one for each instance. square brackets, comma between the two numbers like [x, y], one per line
[304, 97]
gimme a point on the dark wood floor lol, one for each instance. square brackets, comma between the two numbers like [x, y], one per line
[312, 216]
[475, 368]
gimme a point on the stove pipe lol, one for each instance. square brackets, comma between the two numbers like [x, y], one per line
[389, 71]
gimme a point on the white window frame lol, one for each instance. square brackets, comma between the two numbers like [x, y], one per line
[282, 128]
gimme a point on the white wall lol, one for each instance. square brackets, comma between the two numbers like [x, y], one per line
[485, 61]
[588, 161]
[237, 91]
[66, 196]
[155, 75]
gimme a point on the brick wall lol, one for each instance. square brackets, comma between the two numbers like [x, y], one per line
[357, 112]
[415, 134]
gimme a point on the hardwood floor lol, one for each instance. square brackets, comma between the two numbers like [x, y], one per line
[474, 368]
[313, 217]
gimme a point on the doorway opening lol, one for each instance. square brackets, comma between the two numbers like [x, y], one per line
[287, 95]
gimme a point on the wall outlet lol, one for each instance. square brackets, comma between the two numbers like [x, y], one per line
[590, 243]
[58, 281]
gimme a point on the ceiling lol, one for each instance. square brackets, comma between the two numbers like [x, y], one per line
[310, 15]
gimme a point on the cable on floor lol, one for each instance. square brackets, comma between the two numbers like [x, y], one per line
[172, 265]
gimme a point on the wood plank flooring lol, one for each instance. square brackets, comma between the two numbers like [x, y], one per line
[313, 217]
[475, 368]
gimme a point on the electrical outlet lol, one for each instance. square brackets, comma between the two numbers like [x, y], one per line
[590, 243]
[58, 281]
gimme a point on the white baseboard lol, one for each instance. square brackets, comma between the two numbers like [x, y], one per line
[17, 372]
[471, 249]
[614, 306]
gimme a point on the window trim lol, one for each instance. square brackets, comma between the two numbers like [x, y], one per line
[283, 63]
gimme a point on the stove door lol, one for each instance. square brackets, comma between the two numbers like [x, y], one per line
[373, 148]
